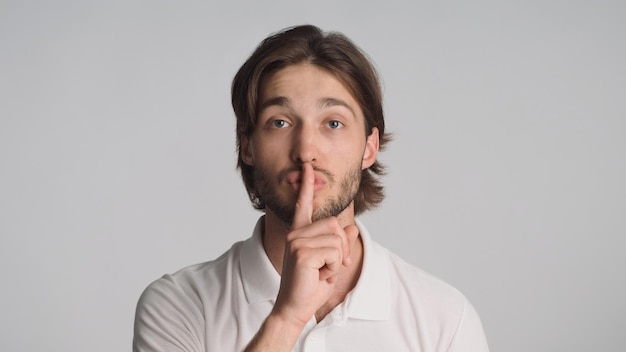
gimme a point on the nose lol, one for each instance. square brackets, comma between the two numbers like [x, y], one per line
[305, 147]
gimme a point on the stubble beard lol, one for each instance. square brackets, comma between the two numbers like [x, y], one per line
[267, 189]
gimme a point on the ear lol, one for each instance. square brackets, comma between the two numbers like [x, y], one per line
[246, 151]
[371, 149]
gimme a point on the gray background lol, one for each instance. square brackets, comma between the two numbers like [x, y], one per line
[506, 176]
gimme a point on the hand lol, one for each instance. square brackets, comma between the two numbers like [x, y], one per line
[315, 253]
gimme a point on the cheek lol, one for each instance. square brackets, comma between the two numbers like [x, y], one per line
[269, 152]
[347, 158]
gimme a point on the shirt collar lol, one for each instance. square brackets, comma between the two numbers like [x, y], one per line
[371, 297]
[369, 300]
[261, 281]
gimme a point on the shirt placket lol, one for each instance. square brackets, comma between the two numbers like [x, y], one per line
[315, 340]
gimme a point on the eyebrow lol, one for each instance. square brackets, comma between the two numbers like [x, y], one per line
[330, 102]
[276, 101]
[322, 103]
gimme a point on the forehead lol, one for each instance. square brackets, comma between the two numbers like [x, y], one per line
[302, 82]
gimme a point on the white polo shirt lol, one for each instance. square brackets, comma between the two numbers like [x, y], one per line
[220, 305]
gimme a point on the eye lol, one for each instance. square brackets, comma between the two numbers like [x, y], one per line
[279, 123]
[334, 124]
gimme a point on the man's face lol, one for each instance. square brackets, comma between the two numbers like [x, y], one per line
[306, 115]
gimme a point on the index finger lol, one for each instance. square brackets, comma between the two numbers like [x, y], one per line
[303, 211]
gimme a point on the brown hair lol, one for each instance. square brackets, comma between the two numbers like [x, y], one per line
[330, 51]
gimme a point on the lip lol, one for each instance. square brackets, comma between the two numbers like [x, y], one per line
[294, 179]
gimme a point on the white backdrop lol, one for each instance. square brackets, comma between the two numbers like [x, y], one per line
[506, 176]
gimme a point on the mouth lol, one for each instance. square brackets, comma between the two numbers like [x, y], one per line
[294, 180]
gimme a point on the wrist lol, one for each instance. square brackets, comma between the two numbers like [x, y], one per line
[277, 333]
[286, 322]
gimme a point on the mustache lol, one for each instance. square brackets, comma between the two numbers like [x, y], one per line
[285, 172]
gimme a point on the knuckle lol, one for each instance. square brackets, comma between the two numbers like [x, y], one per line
[336, 226]
[297, 253]
[337, 240]
[292, 236]
[333, 225]
[295, 234]
[295, 244]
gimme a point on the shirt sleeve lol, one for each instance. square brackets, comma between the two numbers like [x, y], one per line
[469, 336]
[167, 320]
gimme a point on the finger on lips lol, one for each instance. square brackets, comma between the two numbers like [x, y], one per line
[304, 204]
[327, 235]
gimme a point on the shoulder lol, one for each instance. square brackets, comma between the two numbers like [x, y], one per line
[192, 282]
[407, 279]
[171, 311]
[443, 310]
[421, 284]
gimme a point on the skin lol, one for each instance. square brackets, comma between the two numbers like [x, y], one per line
[310, 141]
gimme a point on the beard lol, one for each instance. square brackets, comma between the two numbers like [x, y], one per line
[267, 190]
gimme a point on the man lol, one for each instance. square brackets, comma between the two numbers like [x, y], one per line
[309, 128]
